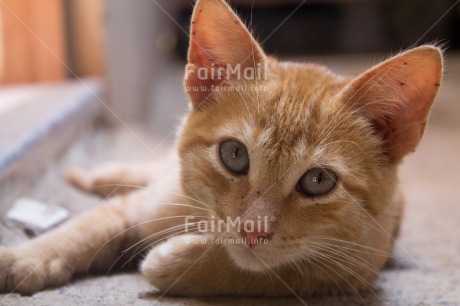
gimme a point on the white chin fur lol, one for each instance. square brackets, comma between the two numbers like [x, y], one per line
[250, 260]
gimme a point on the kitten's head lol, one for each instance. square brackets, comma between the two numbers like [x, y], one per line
[308, 156]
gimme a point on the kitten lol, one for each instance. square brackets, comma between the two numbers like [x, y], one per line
[285, 180]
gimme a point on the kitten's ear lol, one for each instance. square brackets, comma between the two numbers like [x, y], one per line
[396, 97]
[217, 38]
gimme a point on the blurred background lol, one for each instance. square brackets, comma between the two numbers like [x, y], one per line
[139, 47]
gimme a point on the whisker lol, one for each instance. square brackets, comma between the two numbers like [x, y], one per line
[363, 264]
[124, 231]
[159, 233]
[326, 259]
[375, 251]
[278, 277]
[153, 189]
[311, 260]
[137, 251]
[156, 235]
[347, 256]
[183, 205]
[185, 272]
[122, 253]
[333, 259]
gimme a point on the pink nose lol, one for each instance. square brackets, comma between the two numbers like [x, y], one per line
[254, 238]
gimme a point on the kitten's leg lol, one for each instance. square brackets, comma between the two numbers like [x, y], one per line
[51, 259]
[114, 178]
[201, 268]
[93, 240]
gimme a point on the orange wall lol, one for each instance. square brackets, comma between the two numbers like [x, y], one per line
[33, 47]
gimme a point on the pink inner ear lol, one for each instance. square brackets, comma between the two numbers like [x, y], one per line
[396, 97]
[200, 89]
[217, 38]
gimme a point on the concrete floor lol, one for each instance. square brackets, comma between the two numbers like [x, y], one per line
[425, 269]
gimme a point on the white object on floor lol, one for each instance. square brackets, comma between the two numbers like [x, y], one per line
[36, 215]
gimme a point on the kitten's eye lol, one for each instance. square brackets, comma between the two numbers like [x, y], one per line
[234, 156]
[317, 181]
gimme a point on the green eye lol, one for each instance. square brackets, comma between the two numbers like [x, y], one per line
[234, 156]
[317, 181]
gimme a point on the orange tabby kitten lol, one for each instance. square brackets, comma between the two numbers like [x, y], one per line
[285, 182]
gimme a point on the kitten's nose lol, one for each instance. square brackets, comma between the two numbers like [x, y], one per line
[254, 238]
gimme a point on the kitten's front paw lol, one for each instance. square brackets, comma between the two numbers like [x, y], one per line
[26, 274]
[172, 266]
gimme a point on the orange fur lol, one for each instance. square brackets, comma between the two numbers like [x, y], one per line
[307, 117]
